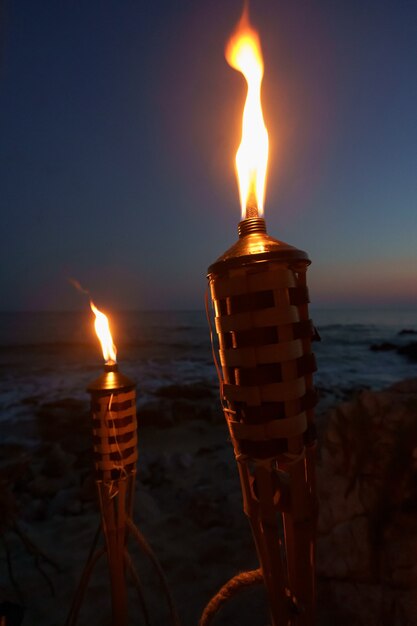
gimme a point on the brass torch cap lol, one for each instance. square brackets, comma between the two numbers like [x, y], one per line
[256, 246]
[111, 380]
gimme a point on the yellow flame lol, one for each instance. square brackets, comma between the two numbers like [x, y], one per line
[243, 53]
[101, 325]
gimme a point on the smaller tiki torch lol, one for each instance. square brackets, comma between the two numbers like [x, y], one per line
[260, 299]
[113, 412]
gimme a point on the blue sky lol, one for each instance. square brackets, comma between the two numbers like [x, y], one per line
[119, 122]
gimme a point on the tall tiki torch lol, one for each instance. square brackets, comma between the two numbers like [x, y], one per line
[260, 298]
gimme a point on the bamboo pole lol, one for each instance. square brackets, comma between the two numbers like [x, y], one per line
[260, 299]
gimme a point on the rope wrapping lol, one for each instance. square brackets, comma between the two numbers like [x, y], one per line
[234, 586]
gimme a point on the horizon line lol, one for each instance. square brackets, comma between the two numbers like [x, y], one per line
[312, 307]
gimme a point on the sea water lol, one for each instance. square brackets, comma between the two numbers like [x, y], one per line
[45, 356]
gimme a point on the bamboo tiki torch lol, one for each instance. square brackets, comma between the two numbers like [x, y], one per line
[113, 412]
[260, 298]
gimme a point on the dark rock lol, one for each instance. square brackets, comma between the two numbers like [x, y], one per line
[205, 450]
[14, 460]
[324, 391]
[147, 507]
[194, 391]
[41, 486]
[66, 502]
[217, 549]
[408, 386]
[8, 507]
[206, 508]
[88, 489]
[63, 407]
[66, 421]
[167, 412]
[155, 414]
[57, 463]
[409, 351]
[184, 411]
[35, 510]
[51, 471]
[408, 331]
[31, 400]
[183, 460]
[154, 469]
[383, 347]
[368, 509]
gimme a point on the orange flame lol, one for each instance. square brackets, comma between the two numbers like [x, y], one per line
[101, 324]
[243, 53]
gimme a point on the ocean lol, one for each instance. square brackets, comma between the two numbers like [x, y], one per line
[47, 356]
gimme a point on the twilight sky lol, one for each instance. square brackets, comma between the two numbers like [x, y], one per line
[119, 121]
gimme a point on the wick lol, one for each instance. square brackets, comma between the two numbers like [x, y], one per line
[251, 207]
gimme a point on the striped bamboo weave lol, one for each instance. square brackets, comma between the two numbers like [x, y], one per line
[264, 333]
[114, 434]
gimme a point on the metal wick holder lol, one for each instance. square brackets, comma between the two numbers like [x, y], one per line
[260, 298]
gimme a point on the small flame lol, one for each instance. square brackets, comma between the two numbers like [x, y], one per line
[243, 53]
[101, 324]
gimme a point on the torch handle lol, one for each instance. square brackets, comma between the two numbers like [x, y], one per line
[300, 534]
[263, 519]
[113, 512]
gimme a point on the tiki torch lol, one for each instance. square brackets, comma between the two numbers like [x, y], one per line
[113, 413]
[260, 299]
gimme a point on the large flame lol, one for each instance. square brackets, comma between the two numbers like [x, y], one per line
[243, 53]
[101, 324]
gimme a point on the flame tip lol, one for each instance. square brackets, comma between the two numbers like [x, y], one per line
[243, 53]
[101, 325]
